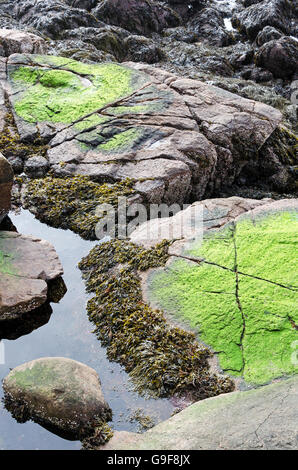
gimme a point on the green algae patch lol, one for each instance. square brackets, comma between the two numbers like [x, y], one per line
[40, 373]
[6, 262]
[71, 203]
[121, 141]
[162, 360]
[71, 92]
[240, 297]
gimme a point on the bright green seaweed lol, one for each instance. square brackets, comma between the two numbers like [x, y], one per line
[64, 96]
[250, 322]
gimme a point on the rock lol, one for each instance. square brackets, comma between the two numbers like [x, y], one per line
[252, 20]
[109, 39]
[209, 24]
[13, 41]
[267, 34]
[261, 419]
[180, 33]
[142, 49]
[59, 393]
[6, 180]
[27, 265]
[216, 213]
[257, 74]
[51, 17]
[231, 280]
[147, 125]
[37, 166]
[137, 16]
[280, 56]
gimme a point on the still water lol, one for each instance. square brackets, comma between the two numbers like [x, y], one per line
[69, 334]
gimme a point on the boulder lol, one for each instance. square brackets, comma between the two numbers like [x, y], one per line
[250, 21]
[267, 34]
[142, 49]
[59, 393]
[232, 281]
[27, 266]
[51, 17]
[208, 24]
[6, 180]
[280, 56]
[13, 41]
[137, 16]
[111, 122]
[261, 419]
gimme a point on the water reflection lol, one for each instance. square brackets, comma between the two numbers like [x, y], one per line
[68, 333]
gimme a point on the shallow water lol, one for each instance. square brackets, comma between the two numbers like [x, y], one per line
[69, 334]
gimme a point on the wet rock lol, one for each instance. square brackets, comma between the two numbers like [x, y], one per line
[107, 39]
[6, 180]
[78, 50]
[51, 17]
[252, 20]
[186, 8]
[61, 394]
[27, 265]
[17, 164]
[280, 57]
[259, 419]
[12, 41]
[142, 49]
[209, 24]
[137, 16]
[180, 33]
[37, 166]
[267, 34]
[257, 74]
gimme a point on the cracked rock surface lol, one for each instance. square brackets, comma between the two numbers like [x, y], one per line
[235, 286]
[261, 419]
[177, 139]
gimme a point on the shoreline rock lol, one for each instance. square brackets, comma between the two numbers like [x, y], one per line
[6, 182]
[61, 394]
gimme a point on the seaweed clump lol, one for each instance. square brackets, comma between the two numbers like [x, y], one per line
[102, 434]
[161, 359]
[71, 203]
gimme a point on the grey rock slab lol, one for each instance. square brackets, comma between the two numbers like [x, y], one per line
[27, 264]
[260, 419]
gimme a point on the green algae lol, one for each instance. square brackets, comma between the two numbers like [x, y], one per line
[162, 360]
[37, 375]
[6, 265]
[64, 96]
[250, 322]
[121, 141]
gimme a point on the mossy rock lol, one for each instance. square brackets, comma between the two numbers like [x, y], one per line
[237, 290]
[59, 393]
[176, 139]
